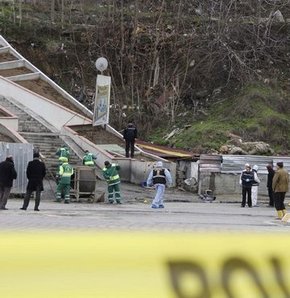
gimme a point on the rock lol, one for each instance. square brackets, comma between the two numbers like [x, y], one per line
[224, 149]
[258, 148]
[237, 151]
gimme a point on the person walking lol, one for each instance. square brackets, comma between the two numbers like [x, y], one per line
[270, 176]
[64, 183]
[89, 159]
[129, 135]
[35, 172]
[63, 154]
[159, 177]
[111, 174]
[247, 178]
[255, 187]
[280, 186]
[7, 175]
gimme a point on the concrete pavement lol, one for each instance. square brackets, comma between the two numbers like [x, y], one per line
[183, 212]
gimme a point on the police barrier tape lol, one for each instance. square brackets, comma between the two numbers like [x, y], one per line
[161, 265]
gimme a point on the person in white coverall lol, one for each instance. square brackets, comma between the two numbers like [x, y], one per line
[159, 177]
[255, 187]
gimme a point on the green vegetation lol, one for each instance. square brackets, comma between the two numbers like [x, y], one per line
[258, 112]
[198, 71]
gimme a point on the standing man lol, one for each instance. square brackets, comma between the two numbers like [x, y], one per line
[63, 154]
[7, 175]
[159, 177]
[111, 174]
[64, 183]
[89, 159]
[247, 178]
[270, 176]
[280, 186]
[129, 135]
[35, 172]
[255, 187]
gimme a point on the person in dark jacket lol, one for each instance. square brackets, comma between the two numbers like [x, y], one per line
[7, 175]
[129, 135]
[270, 176]
[35, 172]
[247, 178]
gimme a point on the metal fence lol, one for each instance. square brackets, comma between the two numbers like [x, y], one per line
[22, 154]
[236, 163]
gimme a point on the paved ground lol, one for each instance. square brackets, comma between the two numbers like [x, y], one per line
[183, 212]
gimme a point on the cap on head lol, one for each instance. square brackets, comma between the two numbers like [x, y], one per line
[280, 164]
[107, 163]
[247, 165]
[159, 164]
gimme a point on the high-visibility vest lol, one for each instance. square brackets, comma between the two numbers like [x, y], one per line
[111, 174]
[88, 160]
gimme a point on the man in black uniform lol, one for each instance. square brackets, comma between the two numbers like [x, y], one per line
[129, 135]
[270, 176]
[7, 175]
[35, 173]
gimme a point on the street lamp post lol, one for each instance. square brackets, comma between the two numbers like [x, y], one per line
[102, 96]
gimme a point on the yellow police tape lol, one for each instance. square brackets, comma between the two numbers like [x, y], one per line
[161, 265]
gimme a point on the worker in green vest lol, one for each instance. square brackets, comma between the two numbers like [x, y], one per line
[63, 154]
[64, 184]
[89, 159]
[111, 174]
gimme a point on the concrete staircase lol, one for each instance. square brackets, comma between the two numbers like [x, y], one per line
[47, 144]
[38, 134]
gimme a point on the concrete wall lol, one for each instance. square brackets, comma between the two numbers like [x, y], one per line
[9, 120]
[13, 134]
[132, 170]
[54, 114]
[229, 183]
[39, 74]
[226, 182]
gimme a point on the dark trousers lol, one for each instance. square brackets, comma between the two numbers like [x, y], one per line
[247, 193]
[28, 196]
[279, 198]
[271, 196]
[130, 146]
[4, 195]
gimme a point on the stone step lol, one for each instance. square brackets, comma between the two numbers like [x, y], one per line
[25, 121]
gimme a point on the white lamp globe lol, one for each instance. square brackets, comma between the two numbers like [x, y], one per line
[101, 64]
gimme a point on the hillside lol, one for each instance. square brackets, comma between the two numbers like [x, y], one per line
[200, 70]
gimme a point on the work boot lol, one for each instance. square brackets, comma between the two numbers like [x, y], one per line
[22, 208]
[111, 201]
[66, 201]
[280, 214]
[118, 202]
